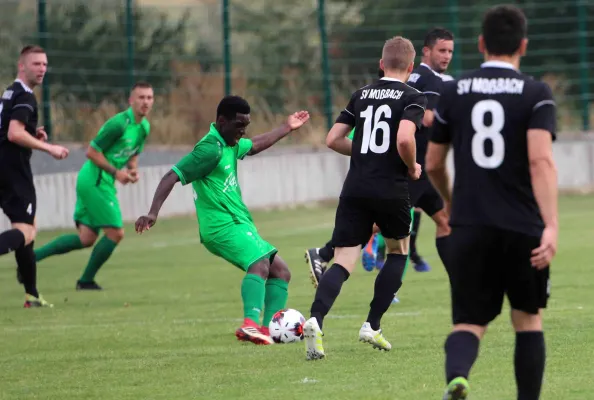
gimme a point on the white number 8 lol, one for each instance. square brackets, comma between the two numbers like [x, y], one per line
[491, 132]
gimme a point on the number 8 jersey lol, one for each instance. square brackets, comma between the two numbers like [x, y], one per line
[376, 169]
[485, 115]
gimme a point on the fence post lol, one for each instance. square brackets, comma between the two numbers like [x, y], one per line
[455, 28]
[227, 47]
[584, 78]
[325, 63]
[130, 40]
[45, 88]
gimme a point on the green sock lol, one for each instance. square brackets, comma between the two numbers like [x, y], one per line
[381, 244]
[100, 254]
[252, 293]
[61, 245]
[277, 292]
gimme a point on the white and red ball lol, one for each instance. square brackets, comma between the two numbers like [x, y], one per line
[286, 326]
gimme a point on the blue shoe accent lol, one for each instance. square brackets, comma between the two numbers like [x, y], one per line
[395, 300]
[422, 267]
[369, 257]
[379, 263]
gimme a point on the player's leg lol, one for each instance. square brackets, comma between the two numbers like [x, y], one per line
[85, 237]
[477, 290]
[419, 263]
[277, 291]
[318, 258]
[102, 211]
[242, 246]
[432, 204]
[353, 226]
[528, 292]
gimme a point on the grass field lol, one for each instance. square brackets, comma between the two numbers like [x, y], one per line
[164, 326]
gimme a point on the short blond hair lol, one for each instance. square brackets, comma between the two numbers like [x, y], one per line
[398, 53]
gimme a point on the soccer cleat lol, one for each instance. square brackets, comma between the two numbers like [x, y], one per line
[374, 338]
[34, 302]
[419, 264]
[314, 349]
[369, 256]
[457, 389]
[264, 330]
[87, 286]
[251, 332]
[395, 300]
[317, 266]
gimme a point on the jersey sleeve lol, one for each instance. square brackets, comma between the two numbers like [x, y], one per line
[432, 89]
[347, 116]
[414, 110]
[441, 130]
[544, 111]
[243, 147]
[200, 162]
[23, 107]
[109, 133]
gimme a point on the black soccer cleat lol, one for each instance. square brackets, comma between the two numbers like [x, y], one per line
[87, 286]
[317, 266]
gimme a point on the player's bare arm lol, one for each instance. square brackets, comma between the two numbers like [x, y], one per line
[543, 174]
[164, 188]
[337, 139]
[407, 147]
[435, 165]
[266, 140]
[18, 135]
[98, 158]
[428, 118]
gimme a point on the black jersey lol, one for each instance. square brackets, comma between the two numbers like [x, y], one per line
[17, 103]
[376, 169]
[485, 115]
[430, 83]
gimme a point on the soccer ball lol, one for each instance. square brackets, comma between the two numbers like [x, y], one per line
[286, 326]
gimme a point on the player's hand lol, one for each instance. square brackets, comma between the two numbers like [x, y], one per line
[296, 120]
[41, 134]
[145, 223]
[415, 173]
[542, 255]
[134, 177]
[123, 176]
[58, 152]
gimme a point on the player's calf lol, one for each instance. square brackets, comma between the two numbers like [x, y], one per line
[529, 354]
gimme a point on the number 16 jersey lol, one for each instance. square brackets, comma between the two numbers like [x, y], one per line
[485, 115]
[375, 111]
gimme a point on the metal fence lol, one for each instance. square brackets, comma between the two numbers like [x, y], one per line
[280, 55]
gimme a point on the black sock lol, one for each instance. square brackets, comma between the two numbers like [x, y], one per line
[25, 258]
[442, 246]
[413, 236]
[328, 290]
[529, 361]
[461, 350]
[11, 240]
[387, 283]
[327, 252]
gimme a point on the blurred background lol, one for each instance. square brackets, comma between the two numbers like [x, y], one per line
[281, 55]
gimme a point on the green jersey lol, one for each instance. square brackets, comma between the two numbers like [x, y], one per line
[119, 139]
[211, 168]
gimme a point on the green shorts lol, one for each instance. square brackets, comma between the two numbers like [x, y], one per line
[241, 245]
[97, 206]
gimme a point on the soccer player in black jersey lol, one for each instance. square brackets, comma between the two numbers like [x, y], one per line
[386, 115]
[501, 125]
[19, 135]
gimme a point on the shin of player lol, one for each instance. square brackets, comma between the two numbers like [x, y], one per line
[375, 190]
[226, 226]
[504, 231]
[112, 156]
[19, 135]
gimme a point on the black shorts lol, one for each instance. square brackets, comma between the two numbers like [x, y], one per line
[17, 194]
[484, 265]
[355, 217]
[424, 196]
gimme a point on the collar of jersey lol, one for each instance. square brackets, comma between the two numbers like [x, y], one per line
[213, 131]
[385, 78]
[497, 64]
[24, 85]
[430, 69]
[130, 114]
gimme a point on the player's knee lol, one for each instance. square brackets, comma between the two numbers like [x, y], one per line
[399, 246]
[261, 268]
[478, 330]
[87, 241]
[279, 269]
[29, 232]
[442, 223]
[115, 235]
[523, 321]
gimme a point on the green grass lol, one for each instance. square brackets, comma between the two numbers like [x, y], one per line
[164, 326]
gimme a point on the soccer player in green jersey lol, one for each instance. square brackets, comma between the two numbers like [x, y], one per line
[113, 156]
[226, 226]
